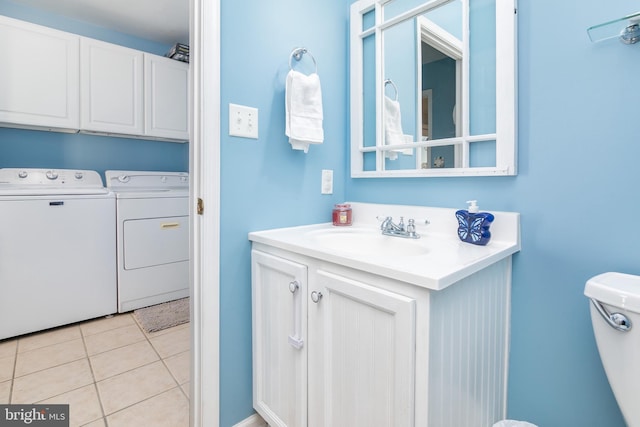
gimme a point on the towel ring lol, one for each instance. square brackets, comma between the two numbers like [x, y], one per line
[389, 81]
[297, 54]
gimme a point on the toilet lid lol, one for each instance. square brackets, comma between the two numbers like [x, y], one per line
[615, 289]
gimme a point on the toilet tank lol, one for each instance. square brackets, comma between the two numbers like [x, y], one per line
[619, 350]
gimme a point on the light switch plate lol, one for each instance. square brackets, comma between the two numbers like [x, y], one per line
[243, 121]
[327, 181]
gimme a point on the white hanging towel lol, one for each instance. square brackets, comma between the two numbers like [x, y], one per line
[303, 110]
[392, 126]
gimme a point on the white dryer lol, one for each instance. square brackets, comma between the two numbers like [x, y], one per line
[152, 228]
[57, 249]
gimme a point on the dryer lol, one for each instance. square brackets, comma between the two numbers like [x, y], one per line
[57, 249]
[152, 229]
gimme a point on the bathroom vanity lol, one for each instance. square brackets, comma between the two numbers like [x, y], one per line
[351, 327]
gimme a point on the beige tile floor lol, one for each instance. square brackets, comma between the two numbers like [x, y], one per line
[109, 371]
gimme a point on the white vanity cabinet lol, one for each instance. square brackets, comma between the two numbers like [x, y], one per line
[354, 328]
[329, 350]
[39, 76]
[351, 348]
[112, 88]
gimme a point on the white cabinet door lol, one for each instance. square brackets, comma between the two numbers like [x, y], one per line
[38, 76]
[111, 81]
[279, 341]
[361, 354]
[166, 108]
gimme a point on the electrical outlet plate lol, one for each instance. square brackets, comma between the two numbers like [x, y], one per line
[243, 121]
[327, 181]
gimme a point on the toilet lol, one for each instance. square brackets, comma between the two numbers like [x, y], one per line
[615, 315]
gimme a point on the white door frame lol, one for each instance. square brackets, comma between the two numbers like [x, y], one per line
[204, 165]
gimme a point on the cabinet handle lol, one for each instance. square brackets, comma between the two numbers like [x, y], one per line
[294, 286]
[295, 339]
[316, 296]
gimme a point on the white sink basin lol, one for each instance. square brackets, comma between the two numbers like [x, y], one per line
[367, 242]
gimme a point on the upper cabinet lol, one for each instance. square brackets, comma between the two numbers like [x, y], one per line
[166, 102]
[63, 82]
[112, 92]
[39, 74]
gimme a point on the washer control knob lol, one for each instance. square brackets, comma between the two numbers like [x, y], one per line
[22, 174]
[79, 175]
[124, 178]
[51, 175]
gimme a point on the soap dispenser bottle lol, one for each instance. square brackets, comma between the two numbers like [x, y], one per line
[473, 226]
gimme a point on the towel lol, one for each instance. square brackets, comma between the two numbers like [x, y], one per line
[303, 110]
[392, 126]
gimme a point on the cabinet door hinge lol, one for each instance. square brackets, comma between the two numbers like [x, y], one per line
[200, 208]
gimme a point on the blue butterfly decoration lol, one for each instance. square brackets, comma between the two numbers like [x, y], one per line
[473, 228]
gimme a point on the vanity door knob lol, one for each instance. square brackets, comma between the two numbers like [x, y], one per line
[316, 296]
[294, 286]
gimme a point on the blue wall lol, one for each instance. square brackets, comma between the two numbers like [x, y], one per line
[264, 183]
[38, 149]
[574, 191]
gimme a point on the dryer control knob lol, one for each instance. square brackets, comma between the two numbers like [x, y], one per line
[52, 175]
[22, 174]
[79, 175]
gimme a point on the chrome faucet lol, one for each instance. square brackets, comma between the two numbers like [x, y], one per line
[399, 230]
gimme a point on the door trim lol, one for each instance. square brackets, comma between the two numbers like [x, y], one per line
[204, 161]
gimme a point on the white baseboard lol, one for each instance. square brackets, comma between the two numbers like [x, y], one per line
[254, 420]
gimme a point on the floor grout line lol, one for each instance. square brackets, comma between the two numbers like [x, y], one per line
[93, 376]
[13, 372]
[140, 401]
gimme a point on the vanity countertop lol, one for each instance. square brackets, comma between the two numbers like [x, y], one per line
[435, 261]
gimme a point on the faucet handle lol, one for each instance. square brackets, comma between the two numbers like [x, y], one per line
[401, 223]
[411, 229]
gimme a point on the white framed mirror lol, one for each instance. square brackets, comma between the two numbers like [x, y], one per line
[433, 88]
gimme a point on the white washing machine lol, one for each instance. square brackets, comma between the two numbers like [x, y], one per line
[152, 210]
[57, 249]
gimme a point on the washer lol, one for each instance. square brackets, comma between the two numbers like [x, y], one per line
[152, 216]
[57, 249]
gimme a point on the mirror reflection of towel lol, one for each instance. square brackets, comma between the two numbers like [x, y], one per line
[392, 126]
[303, 99]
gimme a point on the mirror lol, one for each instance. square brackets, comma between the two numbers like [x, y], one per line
[424, 98]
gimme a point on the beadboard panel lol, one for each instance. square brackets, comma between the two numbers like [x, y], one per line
[279, 368]
[468, 349]
[368, 347]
